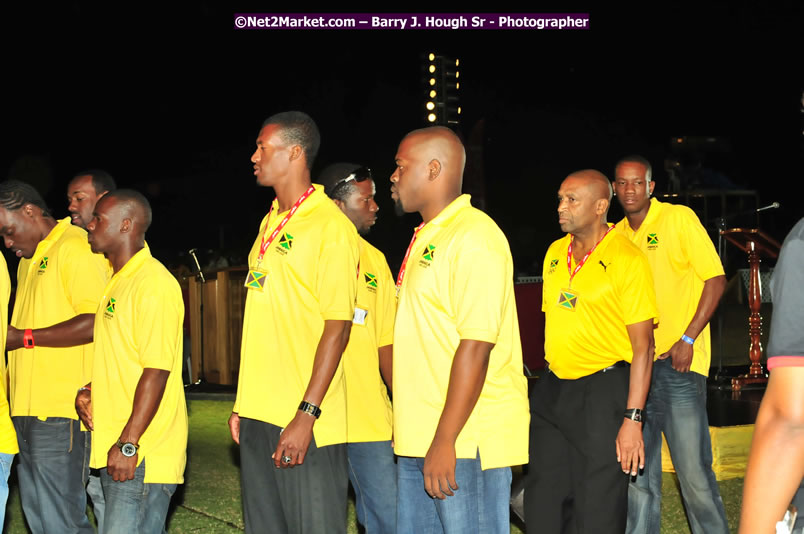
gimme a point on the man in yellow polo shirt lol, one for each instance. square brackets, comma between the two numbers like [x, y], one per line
[59, 285]
[689, 283]
[83, 192]
[135, 403]
[8, 437]
[290, 413]
[586, 411]
[368, 358]
[460, 395]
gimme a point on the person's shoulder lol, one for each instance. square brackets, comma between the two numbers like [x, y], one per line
[679, 213]
[620, 245]
[372, 252]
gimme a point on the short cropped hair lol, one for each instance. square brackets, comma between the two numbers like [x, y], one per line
[635, 158]
[130, 196]
[298, 128]
[14, 194]
[102, 181]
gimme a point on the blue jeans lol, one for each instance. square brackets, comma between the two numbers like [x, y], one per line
[5, 470]
[677, 406]
[50, 474]
[135, 505]
[479, 506]
[93, 484]
[372, 472]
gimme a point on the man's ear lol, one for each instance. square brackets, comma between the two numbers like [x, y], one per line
[434, 169]
[125, 226]
[602, 206]
[296, 152]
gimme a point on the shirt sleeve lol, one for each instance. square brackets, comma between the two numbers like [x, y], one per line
[478, 288]
[637, 294]
[84, 275]
[698, 246]
[787, 290]
[336, 276]
[160, 316]
[386, 307]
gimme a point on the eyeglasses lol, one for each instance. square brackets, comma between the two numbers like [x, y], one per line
[360, 175]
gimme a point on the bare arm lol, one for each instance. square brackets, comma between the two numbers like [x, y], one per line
[775, 463]
[386, 355]
[681, 351]
[466, 379]
[69, 333]
[630, 447]
[147, 396]
[297, 435]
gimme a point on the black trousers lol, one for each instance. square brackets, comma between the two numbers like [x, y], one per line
[307, 499]
[574, 482]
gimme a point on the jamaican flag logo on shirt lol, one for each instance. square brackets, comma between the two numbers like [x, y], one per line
[429, 252]
[109, 311]
[286, 241]
[553, 265]
[371, 281]
[43, 265]
[653, 241]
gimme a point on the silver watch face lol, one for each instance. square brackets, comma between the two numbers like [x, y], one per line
[128, 449]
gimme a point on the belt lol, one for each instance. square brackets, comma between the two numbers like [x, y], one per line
[621, 363]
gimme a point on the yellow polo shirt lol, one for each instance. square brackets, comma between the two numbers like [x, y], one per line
[459, 285]
[585, 323]
[62, 279]
[138, 325]
[368, 409]
[8, 437]
[682, 257]
[311, 277]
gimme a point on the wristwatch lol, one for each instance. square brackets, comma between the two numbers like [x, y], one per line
[310, 409]
[634, 414]
[128, 449]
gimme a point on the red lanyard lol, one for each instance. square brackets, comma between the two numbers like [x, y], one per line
[405, 261]
[586, 257]
[266, 243]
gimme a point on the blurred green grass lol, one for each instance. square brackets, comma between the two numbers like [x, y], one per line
[209, 501]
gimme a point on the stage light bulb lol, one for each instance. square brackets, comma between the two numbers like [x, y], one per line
[432, 68]
[433, 93]
[431, 117]
[431, 57]
[432, 81]
[430, 106]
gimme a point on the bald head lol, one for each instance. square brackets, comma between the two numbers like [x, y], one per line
[599, 186]
[429, 170]
[134, 206]
[440, 144]
[583, 201]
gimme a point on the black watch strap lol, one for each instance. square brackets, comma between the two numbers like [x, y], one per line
[634, 414]
[310, 409]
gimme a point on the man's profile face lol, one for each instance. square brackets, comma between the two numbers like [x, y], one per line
[82, 198]
[577, 207]
[19, 232]
[410, 175]
[631, 186]
[271, 159]
[360, 206]
[104, 227]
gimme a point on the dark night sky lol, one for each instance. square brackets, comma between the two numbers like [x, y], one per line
[170, 102]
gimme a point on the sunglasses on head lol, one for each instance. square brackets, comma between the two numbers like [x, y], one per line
[360, 175]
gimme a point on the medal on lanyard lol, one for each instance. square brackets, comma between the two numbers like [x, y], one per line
[256, 278]
[568, 297]
[402, 269]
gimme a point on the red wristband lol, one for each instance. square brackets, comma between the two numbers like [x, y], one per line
[27, 339]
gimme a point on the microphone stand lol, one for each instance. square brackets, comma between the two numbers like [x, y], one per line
[200, 276]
